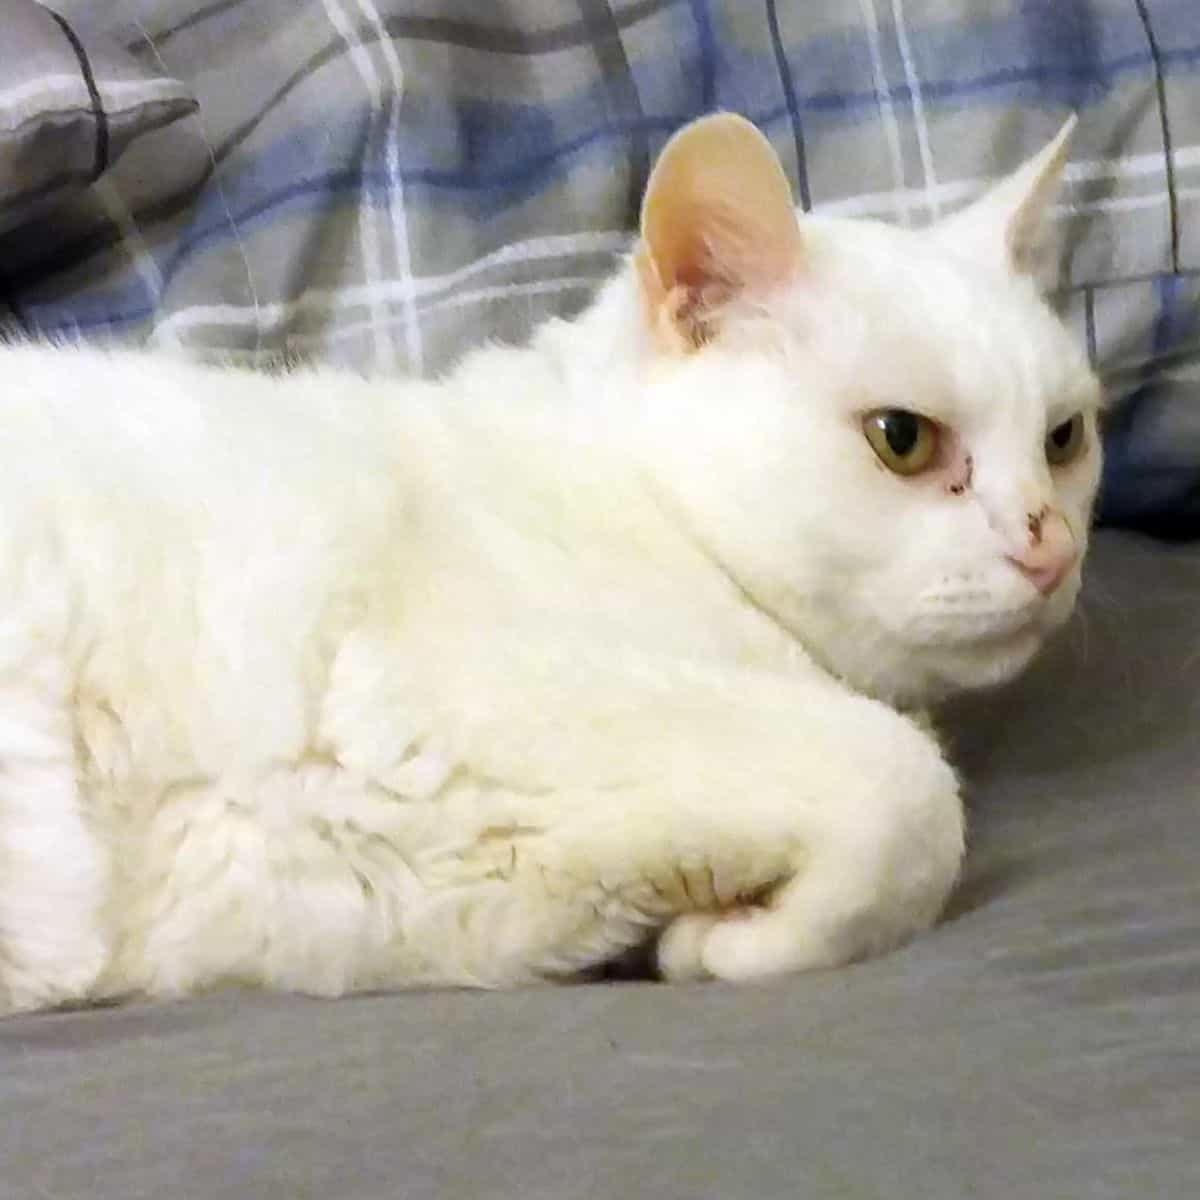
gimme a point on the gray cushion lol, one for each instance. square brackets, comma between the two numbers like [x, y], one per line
[68, 110]
[1044, 1042]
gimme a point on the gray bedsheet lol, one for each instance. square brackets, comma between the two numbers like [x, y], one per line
[1044, 1042]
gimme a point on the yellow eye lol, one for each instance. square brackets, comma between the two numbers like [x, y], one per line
[905, 441]
[1064, 442]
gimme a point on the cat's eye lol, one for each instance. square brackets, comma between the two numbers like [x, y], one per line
[1065, 442]
[905, 442]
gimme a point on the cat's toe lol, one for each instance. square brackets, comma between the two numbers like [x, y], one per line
[736, 944]
[680, 951]
[749, 944]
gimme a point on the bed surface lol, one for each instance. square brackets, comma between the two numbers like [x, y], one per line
[1044, 1042]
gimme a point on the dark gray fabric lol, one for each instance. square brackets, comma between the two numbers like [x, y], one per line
[68, 108]
[1043, 1043]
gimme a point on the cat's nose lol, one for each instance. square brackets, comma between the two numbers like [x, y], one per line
[1048, 556]
[1047, 577]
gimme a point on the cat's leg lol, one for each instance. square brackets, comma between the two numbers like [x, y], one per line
[767, 822]
[877, 867]
[775, 872]
[52, 869]
[594, 875]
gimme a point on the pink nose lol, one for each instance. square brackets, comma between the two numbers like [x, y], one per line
[1047, 565]
[1048, 558]
[1045, 550]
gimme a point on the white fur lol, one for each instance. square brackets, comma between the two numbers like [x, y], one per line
[324, 683]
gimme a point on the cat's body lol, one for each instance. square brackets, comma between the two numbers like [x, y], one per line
[324, 684]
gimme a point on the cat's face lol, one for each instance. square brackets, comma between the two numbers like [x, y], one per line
[885, 437]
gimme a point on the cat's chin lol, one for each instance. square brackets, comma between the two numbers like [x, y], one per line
[938, 674]
[919, 676]
[921, 664]
[910, 671]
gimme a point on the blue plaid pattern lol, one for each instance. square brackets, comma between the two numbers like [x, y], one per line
[384, 182]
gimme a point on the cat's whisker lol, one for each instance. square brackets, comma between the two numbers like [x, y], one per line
[1080, 627]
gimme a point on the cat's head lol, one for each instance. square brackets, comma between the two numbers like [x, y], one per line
[884, 436]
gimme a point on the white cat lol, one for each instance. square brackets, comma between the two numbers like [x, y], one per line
[323, 683]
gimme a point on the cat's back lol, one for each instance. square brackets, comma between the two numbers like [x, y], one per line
[126, 453]
[179, 534]
[76, 417]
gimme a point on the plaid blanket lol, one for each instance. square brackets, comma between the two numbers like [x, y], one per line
[383, 182]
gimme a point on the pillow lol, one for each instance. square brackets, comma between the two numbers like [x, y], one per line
[384, 184]
[1152, 465]
[68, 110]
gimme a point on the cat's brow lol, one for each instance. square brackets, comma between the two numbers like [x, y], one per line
[1063, 407]
[938, 406]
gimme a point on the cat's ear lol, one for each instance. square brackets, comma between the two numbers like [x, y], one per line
[1004, 226]
[718, 222]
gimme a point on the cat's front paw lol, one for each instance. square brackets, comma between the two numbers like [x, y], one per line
[740, 945]
[680, 951]
[786, 934]
[878, 874]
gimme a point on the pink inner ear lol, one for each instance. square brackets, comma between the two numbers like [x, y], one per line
[699, 285]
[704, 281]
[717, 221]
[703, 286]
[725, 261]
[693, 310]
[692, 275]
